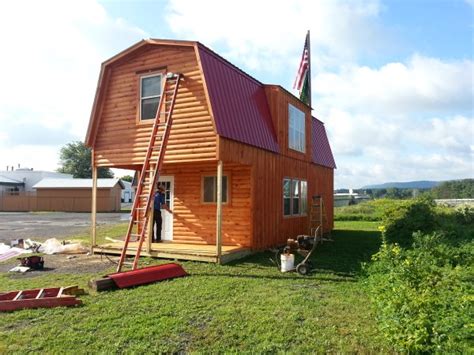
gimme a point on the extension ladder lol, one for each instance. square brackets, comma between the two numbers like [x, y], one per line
[141, 211]
[317, 217]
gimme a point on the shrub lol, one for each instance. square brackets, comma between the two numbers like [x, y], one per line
[423, 295]
[365, 211]
[401, 220]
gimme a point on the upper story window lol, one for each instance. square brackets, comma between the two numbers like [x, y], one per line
[150, 94]
[296, 129]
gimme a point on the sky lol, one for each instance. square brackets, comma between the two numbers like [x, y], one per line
[392, 80]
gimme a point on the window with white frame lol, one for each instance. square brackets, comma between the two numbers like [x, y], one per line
[296, 129]
[150, 94]
[295, 197]
[209, 189]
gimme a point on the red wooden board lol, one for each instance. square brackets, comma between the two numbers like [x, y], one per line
[147, 275]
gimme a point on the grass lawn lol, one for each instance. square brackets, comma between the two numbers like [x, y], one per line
[246, 306]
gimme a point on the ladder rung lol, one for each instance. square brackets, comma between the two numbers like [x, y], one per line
[138, 221]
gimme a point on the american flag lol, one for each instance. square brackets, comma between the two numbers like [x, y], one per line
[304, 67]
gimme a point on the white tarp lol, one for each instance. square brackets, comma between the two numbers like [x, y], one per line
[54, 246]
[8, 252]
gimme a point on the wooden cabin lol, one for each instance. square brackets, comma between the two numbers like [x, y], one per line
[272, 155]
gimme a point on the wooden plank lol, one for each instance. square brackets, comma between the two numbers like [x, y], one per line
[103, 284]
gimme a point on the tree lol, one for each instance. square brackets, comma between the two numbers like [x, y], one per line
[75, 159]
[128, 178]
[454, 189]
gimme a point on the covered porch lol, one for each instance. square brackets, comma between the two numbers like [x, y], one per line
[178, 251]
[211, 219]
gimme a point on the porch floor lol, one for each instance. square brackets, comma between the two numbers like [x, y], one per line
[180, 251]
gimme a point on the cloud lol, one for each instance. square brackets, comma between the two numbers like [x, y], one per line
[422, 84]
[372, 150]
[268, 34]
[49, 69]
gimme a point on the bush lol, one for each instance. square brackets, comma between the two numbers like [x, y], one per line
[423, 295]
[365, 211]
[420, 280]
[401, 220]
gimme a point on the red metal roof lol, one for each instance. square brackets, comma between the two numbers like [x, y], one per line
[322, 153]
[238, 102]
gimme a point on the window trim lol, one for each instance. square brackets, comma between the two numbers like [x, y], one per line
[300, 204]
[140, 98]
[228, 189]
[304, 130]
[283, 197]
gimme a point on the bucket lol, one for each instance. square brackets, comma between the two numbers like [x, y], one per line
[287, 262]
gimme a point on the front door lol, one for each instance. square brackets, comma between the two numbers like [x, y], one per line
[167, 228]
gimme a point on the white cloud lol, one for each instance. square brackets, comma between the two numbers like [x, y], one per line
[268, 34]
[422, 84]
[49, 67]
[371, 150]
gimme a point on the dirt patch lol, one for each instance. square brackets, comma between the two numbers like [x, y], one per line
[59, 263]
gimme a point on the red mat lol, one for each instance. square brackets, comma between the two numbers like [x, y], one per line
[147, 275]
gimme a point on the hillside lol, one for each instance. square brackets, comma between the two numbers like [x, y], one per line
[422, 184]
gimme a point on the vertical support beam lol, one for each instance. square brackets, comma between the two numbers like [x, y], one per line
[149, 235]
[94, 204]
[219, 212]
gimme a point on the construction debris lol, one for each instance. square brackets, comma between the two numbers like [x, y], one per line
[138, 277]
[40, 298]
[8, 252]
[20, 269]
[54, 246]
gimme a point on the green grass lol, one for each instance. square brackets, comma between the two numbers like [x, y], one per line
[247, 306]
[115, 231]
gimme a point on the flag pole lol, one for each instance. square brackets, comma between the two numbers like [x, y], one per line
[309, 69]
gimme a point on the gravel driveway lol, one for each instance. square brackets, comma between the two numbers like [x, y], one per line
[43, 225]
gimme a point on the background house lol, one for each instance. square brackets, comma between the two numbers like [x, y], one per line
[75, 195]
[128, 193]
[23, 179]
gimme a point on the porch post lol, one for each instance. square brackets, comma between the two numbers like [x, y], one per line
[94, 204]
[149, 235]
[219, 212]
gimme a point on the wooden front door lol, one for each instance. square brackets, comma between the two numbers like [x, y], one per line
[167, 229]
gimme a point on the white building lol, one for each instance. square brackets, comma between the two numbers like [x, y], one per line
[350, 198]
[128, 193]
[24, 179]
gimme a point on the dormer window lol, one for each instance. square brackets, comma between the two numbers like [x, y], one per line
[150, 94]
[296, 129]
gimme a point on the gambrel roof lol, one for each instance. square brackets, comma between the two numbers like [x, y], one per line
[238, 102]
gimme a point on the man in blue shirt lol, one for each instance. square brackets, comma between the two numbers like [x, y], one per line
[158, 204]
